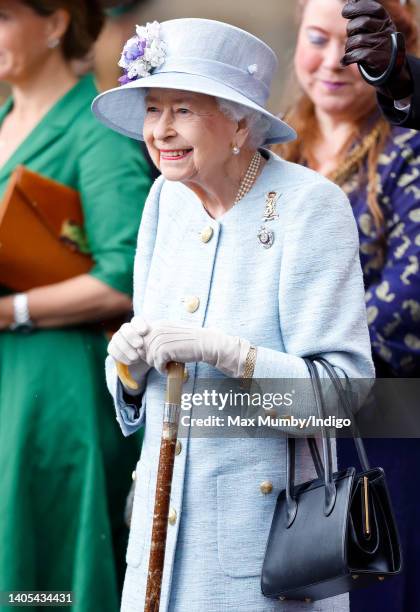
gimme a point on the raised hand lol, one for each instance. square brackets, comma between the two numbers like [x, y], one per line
[370, 44]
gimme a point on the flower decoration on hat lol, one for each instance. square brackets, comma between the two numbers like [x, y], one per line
[142, 53]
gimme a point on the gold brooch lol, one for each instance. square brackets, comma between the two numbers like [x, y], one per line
[270, 212]
[265, 235]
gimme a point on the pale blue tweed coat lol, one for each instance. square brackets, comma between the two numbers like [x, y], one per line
[302, 296]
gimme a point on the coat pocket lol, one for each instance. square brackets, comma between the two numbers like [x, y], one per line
[141, 517]
[245, 507]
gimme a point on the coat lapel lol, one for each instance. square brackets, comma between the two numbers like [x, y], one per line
[51, 126]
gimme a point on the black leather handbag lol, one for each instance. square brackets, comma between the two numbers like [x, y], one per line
[336, 532]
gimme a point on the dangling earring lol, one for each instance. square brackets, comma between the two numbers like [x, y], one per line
[53, 43]
[236, 150]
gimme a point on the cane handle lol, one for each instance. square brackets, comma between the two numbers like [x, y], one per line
[125, 376]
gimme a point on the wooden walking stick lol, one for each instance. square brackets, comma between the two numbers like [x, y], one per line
[163, 485]
[164, 478]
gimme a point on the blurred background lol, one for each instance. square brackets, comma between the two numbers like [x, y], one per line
[272, 20]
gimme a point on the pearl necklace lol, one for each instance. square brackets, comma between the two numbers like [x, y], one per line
[249, 178]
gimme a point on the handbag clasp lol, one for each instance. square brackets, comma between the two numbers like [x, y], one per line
[366, 519]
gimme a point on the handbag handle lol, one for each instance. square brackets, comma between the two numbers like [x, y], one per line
[330, 489]
[316, 458]
[290, 473]
[325, 471]
[338, 385]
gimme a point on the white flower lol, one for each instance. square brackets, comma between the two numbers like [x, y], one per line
[141, 31]
[135, 69]
[142, 71]
[148, 54]
[153, 30]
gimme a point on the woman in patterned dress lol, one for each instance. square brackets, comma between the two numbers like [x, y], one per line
[343, 135]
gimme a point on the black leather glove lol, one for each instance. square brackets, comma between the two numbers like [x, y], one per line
[369, 44]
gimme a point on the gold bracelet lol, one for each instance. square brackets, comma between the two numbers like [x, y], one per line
[250, 361]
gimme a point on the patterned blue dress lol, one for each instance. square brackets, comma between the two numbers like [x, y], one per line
[393, 282]
[393, 302]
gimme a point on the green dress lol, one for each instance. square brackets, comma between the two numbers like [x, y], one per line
[65, 469]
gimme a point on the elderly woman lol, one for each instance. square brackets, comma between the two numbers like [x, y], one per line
[343, 135]
[245, 264]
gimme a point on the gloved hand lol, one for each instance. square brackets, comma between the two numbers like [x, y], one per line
[165, 342]
[369, 43]
[127, 346]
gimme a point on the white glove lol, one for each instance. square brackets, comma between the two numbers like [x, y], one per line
[127, 346]
[165, 342]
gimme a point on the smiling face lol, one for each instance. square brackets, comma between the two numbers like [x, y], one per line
[188, 138]
[333, 89]
[23, 40]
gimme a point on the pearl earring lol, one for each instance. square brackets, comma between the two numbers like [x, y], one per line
[236, 150]
[53, 43]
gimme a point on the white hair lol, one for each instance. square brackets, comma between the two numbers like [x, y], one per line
[257, 123]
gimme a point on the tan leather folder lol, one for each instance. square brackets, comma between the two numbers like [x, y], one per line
[41, 232]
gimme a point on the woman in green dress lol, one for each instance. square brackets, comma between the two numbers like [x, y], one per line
[64, 468]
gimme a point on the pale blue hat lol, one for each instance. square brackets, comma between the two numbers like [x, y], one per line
[197, 55]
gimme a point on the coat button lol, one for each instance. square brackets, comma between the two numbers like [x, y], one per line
[192, 303]
[133, 475]
[178, 447]
[266, 487]
[172, 516]
[207, 234]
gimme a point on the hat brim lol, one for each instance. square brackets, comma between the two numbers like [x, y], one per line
[122, 109]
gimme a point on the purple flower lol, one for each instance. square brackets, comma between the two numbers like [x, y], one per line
[124, 79]
[134, 49]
